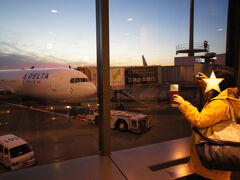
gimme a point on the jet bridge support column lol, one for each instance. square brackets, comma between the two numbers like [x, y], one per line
[103, 71]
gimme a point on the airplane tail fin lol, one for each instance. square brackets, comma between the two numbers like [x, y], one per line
[144, 61]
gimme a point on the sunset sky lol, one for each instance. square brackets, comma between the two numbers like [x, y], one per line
[50, 33]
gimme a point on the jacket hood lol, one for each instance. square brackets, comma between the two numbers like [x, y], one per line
[230, 95]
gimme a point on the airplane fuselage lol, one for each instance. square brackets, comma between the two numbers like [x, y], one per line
[61, 85]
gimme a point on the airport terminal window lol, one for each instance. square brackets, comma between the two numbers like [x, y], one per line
[56, 40]
[143, 39]
[148, 43]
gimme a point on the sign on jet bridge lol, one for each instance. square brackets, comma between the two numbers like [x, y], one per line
[117, 78]
[142, 75]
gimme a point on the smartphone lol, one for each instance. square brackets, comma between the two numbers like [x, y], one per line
[197, 76]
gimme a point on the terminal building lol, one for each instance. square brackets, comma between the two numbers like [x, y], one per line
[186, 60]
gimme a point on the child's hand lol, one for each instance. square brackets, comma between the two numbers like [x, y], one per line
[178, 99]
[199, 76]
[202, 76]
[200, 80]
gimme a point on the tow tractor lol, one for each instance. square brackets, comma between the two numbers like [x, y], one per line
[121, 120]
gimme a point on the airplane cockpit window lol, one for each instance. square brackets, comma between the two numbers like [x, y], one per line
[72, 80]
[84, 79]
[77, 80]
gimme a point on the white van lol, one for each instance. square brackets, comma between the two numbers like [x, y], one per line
[15, 152]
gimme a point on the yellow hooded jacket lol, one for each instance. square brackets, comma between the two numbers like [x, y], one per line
[216, 111]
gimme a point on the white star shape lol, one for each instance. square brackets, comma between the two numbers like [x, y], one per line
[213, 83]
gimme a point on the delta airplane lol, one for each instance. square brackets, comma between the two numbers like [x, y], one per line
[64, 85]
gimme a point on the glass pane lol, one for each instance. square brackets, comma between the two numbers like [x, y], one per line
[149, 54]
[44, 102]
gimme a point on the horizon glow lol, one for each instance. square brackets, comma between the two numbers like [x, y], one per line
[62, 33]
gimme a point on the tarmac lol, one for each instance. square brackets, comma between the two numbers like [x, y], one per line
[56, 137]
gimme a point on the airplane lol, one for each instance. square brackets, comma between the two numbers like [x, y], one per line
[64, 85]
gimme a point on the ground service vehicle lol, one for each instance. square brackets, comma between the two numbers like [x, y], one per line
[123, 120]
[15, 153]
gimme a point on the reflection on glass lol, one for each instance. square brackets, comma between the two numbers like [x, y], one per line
[144, 39]
[149, 53]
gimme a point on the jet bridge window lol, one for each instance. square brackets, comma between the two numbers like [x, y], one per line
[77, 80]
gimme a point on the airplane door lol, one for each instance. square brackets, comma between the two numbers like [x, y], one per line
[53, 85]
[72, 82]
[69, 86]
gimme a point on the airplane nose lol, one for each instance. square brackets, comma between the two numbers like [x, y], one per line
[92, 90]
